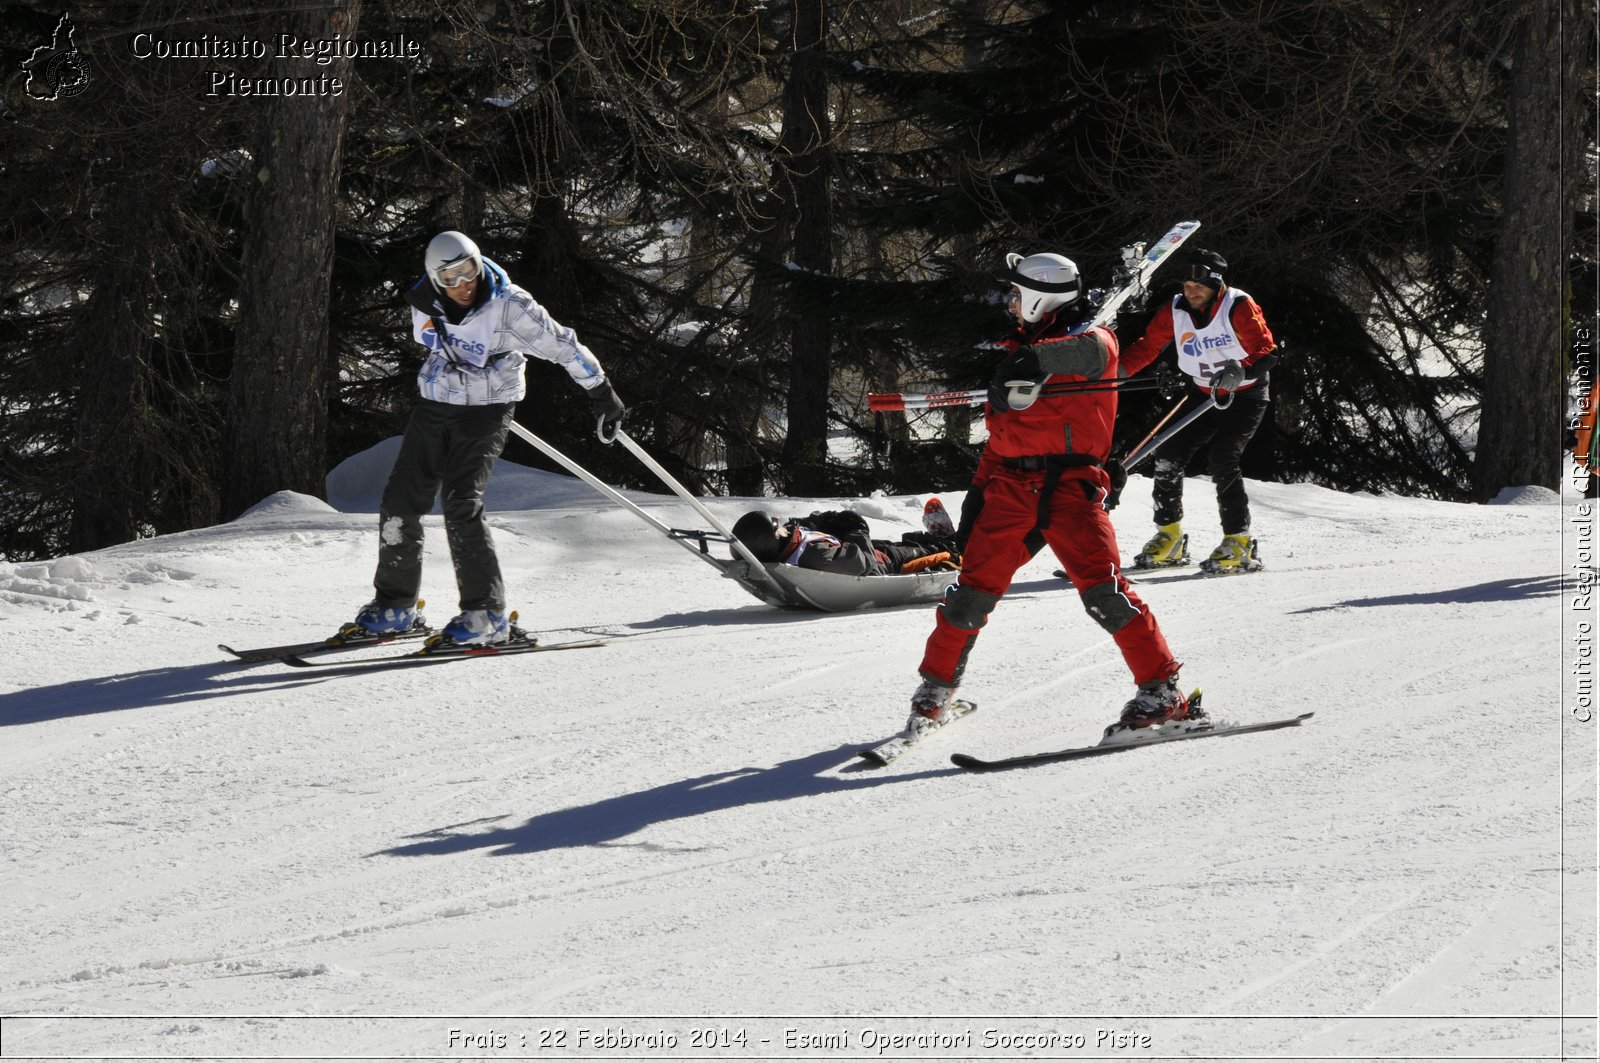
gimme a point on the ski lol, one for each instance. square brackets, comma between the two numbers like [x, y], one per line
[331, 644]
[440, 656]
[890, 751]
[971, 763]
[1133, 278]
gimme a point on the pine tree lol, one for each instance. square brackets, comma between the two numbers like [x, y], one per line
[1527, 336]
[278, 409]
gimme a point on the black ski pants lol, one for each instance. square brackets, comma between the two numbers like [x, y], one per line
[452, 448]
[1224, 433]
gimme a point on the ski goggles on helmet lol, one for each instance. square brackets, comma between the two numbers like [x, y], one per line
[1202, 274]
[457, 273]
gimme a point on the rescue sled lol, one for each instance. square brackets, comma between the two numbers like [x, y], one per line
[785, 586]
[830, 592]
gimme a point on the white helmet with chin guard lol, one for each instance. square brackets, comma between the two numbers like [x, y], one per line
[1045, 282]
[452, 259]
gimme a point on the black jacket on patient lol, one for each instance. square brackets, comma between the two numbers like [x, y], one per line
[840, 541]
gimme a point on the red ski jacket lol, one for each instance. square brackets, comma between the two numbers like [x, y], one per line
[1056, 425]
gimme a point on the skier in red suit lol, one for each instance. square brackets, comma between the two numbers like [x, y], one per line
[1043, 467]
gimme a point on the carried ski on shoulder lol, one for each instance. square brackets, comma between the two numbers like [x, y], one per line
[971, 763]
[1133, 280]
[889, 751]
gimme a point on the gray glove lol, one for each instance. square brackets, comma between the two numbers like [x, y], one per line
[608, 412]
[1228, 378]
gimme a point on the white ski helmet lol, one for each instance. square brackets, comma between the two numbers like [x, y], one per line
[451, 258]
[1046, 281]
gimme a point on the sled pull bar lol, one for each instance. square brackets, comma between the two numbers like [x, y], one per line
[756, 567]
[704, 538]
[606, 489]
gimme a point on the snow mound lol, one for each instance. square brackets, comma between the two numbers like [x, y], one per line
[286, 504]
[1526, 496]
[356, 485]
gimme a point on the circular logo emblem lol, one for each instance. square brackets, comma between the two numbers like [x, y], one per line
[66, 75]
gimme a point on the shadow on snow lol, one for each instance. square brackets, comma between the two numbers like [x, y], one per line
[604, 823]
[137, 690]
[1502, 590]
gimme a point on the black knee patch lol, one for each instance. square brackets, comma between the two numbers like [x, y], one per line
[966, 608]
[1109, 606]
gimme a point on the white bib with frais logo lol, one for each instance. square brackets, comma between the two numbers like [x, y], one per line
[1202, 351]
[488, 348]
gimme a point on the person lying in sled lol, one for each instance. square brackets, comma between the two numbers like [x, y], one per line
[839, 541]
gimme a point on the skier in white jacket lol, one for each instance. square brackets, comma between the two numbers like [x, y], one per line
[479, 330]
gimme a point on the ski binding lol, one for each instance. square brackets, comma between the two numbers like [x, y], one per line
[894, 748]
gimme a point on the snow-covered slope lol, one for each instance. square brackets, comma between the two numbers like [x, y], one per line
[676, 824]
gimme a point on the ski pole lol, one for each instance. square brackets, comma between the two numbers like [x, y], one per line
[1170, 414]
[1194, 414]
[891, 402]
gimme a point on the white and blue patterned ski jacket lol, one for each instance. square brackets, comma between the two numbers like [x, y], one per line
[480, 359]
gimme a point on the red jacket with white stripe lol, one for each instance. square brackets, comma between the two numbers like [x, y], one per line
[1079, 424]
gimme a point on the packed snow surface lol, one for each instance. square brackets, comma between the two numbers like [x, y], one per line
[667, 847]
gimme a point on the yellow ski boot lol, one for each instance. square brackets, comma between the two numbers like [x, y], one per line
[1237, 553]
[1167, 548]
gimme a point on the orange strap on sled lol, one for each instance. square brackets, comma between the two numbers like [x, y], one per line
[922, 564]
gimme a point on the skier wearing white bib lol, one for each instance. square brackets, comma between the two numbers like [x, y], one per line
[479, 330]
[1224, 345]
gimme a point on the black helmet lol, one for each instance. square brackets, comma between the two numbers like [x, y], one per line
[1205, 267]
[759, 533]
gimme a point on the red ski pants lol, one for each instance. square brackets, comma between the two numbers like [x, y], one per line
[1078, 529]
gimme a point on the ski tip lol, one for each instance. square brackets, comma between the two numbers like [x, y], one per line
[970, 763]
[245, 655]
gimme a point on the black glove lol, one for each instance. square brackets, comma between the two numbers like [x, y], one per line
[1023, 364]
[1118, 474]
[608, 412]
[839, 523]
[1228, 378]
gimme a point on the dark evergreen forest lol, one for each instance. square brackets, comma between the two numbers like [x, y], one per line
[755, 213]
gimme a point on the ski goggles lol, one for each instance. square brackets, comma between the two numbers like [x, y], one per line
[1203, 274]
[457, 273]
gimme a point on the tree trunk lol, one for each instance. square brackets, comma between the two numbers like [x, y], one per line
[277, 432]
[112, 431]
[806, 155]
[1519, 436]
